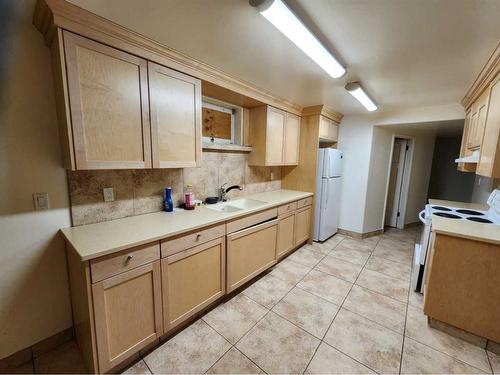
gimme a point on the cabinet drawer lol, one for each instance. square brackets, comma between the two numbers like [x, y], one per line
[304, 202]
[185, 241]
[110, 265]
[286, 208]
[250, 220]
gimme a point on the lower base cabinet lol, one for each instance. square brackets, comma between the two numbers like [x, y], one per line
[191, 280]
[286, 230]
[128, 313]
[249, 252]
[302, 225]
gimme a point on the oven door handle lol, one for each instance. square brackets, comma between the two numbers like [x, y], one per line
[421, 216]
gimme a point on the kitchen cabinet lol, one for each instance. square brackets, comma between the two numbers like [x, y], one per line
[464, 151]
[303, 225]
[478, 121]
[249, 252]
[175, 101]
[191, 280]
[489, 160]
[328, 130]
[291, 139]
[462, 285]
[128, 313]
[276, 137]
[119, 111]
[108, 100]
[286, 233]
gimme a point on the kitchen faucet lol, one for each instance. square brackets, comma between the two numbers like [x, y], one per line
[223, 191]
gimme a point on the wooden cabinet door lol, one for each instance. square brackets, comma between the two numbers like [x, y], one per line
[489, 162]
[175, 118]
[108, 92]
[275, 136]
[302, 225]
[292, 140]
[464, 151]
[286, 232]
[250, 252]
[472, 127]
[328, 129]
[481, 110]
[127, 309]
[192, 279]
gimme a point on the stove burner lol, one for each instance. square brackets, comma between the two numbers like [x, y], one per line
[470, 212]
[441, 208]
[480, 220]
[447, 215]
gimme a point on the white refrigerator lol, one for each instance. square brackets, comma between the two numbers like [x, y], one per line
[328, 182]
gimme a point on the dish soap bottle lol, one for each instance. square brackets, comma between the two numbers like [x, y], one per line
[189, 198]
[168, 205]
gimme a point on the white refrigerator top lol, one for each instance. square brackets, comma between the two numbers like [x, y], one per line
[330, 162]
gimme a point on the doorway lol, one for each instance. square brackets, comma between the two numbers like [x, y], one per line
[397, 189]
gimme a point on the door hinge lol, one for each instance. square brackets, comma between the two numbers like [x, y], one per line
[399, 213]
[407, 147]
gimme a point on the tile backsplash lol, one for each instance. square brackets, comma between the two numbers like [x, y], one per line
[140, 191]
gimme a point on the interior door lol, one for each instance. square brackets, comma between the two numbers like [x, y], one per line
[329, 214]
[396, 182]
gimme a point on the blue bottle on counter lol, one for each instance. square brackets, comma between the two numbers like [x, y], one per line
[168, 205]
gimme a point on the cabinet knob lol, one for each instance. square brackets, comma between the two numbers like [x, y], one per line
[129, 257]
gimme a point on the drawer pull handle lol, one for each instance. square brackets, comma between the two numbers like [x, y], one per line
[198, 236]
[129, 258]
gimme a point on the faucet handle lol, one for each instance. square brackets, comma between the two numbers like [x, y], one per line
[223, 185]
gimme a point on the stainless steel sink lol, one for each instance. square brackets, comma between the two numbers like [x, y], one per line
[236, 205]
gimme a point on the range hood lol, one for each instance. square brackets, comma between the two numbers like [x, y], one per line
[474, 158]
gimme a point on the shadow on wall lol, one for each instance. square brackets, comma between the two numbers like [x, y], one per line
[34, 298]
[446, 181]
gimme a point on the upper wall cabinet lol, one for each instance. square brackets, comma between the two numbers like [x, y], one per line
[108, 98]
[489, 160]
[275, 135]
[328, 130]
[175, 118]
[104, 98]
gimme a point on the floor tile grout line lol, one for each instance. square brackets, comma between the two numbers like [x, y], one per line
[340, 307]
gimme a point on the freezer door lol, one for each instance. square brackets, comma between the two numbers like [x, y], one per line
[333, 162]
[329, 211]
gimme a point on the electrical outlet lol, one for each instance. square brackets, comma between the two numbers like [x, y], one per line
[41, 201]
[109, 194]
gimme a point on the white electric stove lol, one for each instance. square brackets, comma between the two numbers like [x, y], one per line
[489, 217]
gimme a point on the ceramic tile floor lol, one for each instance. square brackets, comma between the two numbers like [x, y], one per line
[343, 306]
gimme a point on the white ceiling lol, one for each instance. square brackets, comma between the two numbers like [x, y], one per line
[449, 128]
[407, 53]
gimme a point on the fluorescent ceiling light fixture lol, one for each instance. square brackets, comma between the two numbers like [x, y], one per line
[357, 91]
[276, 12]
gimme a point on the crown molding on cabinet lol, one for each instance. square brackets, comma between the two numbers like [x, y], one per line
[489, 71]
[52, 14]
[323, 110]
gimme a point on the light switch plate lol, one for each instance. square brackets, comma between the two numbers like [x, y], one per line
[41, 201]
[109, 194]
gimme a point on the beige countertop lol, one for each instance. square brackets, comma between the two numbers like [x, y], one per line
[95, 240]
[464, 228]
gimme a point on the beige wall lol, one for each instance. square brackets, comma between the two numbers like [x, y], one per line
[34, 296]
[139, 192]
[366, 151]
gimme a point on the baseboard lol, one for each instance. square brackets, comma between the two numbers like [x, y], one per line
[411, 225]
[359, 235]
[22, 356]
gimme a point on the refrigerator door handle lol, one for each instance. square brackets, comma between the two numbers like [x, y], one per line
[327, 187]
